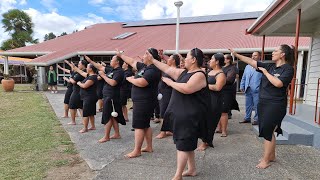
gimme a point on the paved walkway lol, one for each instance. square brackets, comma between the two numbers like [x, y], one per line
[233, 157]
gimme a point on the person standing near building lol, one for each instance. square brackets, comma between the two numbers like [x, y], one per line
[272, 106]
[52, 80]
[250, 84]
[68, 92]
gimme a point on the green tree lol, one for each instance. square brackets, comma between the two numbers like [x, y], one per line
[49, 36]
[63, 34]
[20, 27]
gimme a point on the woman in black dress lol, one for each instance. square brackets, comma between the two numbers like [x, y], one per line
[144, 97]
[75, 99]
[216, 81]
[188, 108]
[68, 92]
[88, 94]
[125, 90]
[228, 98]
[272, 104]
[165, 91]
[113, 77]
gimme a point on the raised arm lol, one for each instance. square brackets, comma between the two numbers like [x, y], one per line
[108, 80]
[63, 69]
[67, 79]
[174, 73]
[195, 83]
[97, 65]
[85, 85]
[245, 59]
[82, 73]
[132, 62]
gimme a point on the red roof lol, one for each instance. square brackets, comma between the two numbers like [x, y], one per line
[207, 35]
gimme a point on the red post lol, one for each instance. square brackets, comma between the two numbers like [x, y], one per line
[295, 60]
[316, 110]
[263, 43]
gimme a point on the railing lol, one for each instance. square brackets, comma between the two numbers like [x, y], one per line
[316, 110]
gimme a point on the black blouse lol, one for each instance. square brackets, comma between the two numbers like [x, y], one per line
[267, 89]
[152, 75]
[230, 72]
[90, 92]
[116, 74]
[77, 77]
[126, 85]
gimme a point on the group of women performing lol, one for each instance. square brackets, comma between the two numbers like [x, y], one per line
[193, 102]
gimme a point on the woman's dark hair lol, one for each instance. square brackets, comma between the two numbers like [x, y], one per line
[94, 69]
[84, 63]
[154, 53]
[228, 56]
[198, 54]
[176, 58]
[289, 53]
[120, 60]
[219, 57]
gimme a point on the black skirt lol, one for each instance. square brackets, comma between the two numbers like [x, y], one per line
[89, 106]
[124, 96]
[75, 101]
[271, 115]
[164, 102]
[67, 95]
[108, 109]
[229, 102]
[189, 144]
[142, 113]
[52, 83]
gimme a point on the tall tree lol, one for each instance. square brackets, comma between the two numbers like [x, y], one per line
[20, 27]
[63, 34]
[49, 36]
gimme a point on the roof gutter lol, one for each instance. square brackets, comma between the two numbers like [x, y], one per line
[5, 53]
[238, 50]
[263, 16]
[80, 53]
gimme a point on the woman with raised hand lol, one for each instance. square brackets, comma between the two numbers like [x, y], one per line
[125, 90]
[188, 108]
[88, 94]
[228, 98]
[75, 102]
[144, 97]
[216, 81]
[165, 94]
[68, 92]
[272, 104]
[113, 77]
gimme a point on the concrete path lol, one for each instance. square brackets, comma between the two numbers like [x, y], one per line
[233, 157]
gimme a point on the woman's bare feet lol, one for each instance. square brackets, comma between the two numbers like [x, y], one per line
[147, 149]
[189, 173]
[202, 147]
[218, 131]
[115, 136]
[161, 135]
[64, 116]
[92, 128]
[132, 154]
[103, 140]
[177, 178]
[84, 130]
[168, 133]
[71, 123]
[263, 164]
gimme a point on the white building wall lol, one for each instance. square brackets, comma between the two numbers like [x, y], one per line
[313, 72]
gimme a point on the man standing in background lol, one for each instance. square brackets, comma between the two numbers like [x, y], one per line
[250, 83]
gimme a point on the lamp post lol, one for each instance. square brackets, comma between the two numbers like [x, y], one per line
[178, 4]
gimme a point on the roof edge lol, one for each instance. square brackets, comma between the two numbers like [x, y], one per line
[5, 53]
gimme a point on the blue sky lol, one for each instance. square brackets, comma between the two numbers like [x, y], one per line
[59, 16]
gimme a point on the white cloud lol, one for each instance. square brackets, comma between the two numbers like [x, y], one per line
[23, 2]
[96, 2]
[49, 4]
[123, 9]
[155, 9]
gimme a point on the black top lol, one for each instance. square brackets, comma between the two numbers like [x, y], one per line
[77, 77]
[116, 74]
[188, 112]
[212, 80]
[152, 75]
[230, 72]
[90, 92]
[126, 85]
[69, 85]
[267, 89]
[163, 87]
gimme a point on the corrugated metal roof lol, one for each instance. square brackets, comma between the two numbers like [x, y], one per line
[198, 19]
[209, 35]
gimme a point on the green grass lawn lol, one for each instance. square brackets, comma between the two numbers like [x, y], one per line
[29, 133]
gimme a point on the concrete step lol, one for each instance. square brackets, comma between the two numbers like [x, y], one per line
[292, 134]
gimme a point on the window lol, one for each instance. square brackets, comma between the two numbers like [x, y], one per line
[124, 35]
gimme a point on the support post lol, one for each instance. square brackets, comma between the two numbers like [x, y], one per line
[6, 65]
[263, 44]
[295, 61]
